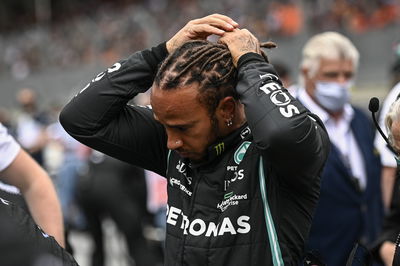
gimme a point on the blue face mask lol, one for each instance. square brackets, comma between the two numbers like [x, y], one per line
[332, 95]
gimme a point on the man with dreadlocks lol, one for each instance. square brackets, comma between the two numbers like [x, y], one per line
[241, 156]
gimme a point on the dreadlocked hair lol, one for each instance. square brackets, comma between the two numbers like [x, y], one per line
[267, 45]
[204, 63]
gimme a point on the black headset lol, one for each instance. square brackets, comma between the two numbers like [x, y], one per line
[374, 107]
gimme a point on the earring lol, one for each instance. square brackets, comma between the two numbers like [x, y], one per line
[229, 123]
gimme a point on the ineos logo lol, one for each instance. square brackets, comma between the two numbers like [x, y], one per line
[285, 107]
[280, 98]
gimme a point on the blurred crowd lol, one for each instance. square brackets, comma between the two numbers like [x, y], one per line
[113, 29]
[355, 16]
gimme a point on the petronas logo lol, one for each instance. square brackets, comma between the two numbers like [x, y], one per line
[241, 151]
[219, 148]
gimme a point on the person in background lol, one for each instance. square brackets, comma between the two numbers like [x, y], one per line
[388, 162]
[284, 73]
[350, 209]
[31, 125]
[117, 190]
[157, 199]
[69, 161]
[17, 168]
[395, 67]
[385, 246]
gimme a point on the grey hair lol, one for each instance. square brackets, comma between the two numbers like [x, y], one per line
[392, 115]
[327, 45]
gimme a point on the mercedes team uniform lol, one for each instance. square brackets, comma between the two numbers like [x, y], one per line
[251, 201]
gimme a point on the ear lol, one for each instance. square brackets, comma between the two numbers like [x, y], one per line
[226, 108]
[305, 73]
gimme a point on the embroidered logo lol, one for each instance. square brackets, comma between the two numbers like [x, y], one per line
[200, 227]
[241, 151]
[237, 175]
[219, 148]
[280, 98]
[176, 182]
[181, 167]
[245, 132]
[230, 199]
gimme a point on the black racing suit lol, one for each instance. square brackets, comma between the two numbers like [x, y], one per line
[22, 242]
[252, 200]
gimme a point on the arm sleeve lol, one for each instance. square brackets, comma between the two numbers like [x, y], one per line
[100, 116]
[8, 147]
[288, 135]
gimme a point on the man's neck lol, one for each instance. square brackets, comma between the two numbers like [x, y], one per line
[335, 115]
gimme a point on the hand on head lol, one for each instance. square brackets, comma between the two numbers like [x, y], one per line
[240, 42]
[200, 29]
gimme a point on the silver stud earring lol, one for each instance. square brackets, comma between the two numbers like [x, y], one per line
[229, 123]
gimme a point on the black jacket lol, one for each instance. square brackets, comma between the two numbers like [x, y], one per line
[22, 242]
[391, 226]
[252, 201]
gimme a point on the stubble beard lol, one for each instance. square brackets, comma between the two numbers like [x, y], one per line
[213, 135]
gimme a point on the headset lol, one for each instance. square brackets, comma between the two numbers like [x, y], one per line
[374, 107]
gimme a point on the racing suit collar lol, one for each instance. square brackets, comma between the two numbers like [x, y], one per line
[218, 148]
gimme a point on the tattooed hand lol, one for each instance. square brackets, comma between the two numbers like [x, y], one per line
[240, 42]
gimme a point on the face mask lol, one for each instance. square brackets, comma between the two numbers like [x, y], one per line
[332, 95]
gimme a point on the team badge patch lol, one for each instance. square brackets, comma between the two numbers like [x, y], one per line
[241, 151]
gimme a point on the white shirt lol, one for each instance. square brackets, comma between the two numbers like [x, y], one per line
[9, 149]
[387, 157]
[340, 134]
